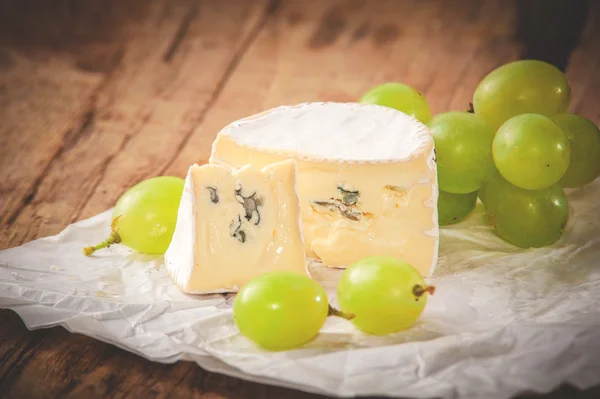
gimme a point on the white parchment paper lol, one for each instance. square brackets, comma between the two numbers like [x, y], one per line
[503, 320]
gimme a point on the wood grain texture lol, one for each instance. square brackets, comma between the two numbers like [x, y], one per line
[173, 60]
[98, 95]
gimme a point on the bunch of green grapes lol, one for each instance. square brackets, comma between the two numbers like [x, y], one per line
[144, 217]
[516, 148]
[282, 310]
[538, 149]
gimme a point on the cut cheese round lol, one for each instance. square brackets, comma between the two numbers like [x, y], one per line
[366, 177]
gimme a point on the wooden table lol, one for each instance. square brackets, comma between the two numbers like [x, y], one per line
[98, 95]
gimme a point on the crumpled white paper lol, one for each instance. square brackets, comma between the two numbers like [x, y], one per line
[503, 320]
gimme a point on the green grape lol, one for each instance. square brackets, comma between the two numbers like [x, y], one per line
[526, 218]
[385, 294]
[520, 87]
[584, 139]
[531, 151]
[494, 180]
[144, 217]
[401, 97]
[453, 208]
[463, 146]
[280, 310]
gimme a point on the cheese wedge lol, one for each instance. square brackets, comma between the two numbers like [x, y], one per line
[366, 177]
[234, 225]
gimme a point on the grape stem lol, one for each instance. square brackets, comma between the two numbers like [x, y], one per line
[419, 290]
[114, 238]
[334, 312]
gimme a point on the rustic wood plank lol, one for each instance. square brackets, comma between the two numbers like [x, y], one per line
[162, 86]
[54, 57]
[42, 68]
[337, 50]
[16, 344]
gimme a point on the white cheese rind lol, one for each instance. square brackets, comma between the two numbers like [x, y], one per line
[311, 131]
[341, 145]
[235, 224]
[435, 232]
[179, 257]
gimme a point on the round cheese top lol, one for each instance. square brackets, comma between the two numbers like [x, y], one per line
[341, 132]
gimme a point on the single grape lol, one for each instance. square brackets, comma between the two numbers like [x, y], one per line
[531, 151]
[493, 180]
[463, 146]
[280, 310]
[584, 140]
[453, 208]
[401, 97]
[144, 217]
[385, 294]
[527, 86]
[526, 218]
